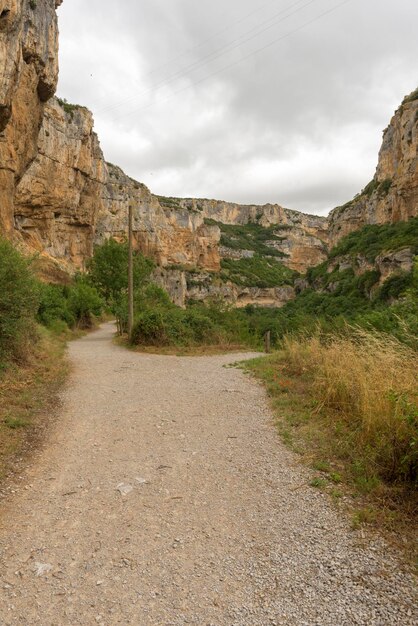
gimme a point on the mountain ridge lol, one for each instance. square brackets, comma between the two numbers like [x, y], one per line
[59, 197]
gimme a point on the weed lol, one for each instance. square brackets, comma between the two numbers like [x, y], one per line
[319, 483]
[16, 422]
[365, 516]
[321, 466]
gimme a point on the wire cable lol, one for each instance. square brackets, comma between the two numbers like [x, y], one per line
[235, 63]
[267, 24]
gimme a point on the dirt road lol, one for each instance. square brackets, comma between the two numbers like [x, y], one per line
[164, 497]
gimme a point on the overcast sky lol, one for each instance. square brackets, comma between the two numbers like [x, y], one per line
[244, 100]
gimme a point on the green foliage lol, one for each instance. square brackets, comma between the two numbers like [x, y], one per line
[256, 271]
[395, 286]
[384, 186]
[68, 107]
[53, 305]
[250, 236]
[161, 323]
[370, 188]
[412, 96]
[19, 298]
[173, 326]
[372, 240]
[108, 271]
[381, 187]
[84, 303]
[77, 304]
[169, 203]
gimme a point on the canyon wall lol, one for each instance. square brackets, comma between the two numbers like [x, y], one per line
[59, 197]
[28, 78]
[392, 195]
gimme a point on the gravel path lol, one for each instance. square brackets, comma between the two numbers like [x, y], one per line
[217, 525]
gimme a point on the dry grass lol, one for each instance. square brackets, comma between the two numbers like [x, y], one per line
[202, 350]
[370, 382]
[348, 406]
[28, 394]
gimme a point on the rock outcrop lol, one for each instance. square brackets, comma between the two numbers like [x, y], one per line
[304, 238]
[28, 78]
[392, 195]
[59, 197]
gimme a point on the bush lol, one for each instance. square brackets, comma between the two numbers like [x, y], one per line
[251, 236]
[257, 271]
[160, 328]
[374, 239]
[19, 298]
[53, 306]
[84, 304]
[165, 324]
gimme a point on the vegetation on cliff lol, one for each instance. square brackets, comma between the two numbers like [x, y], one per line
[256, 271]
[372, 240]
[251, 236]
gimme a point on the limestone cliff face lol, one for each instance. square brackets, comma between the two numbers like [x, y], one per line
[59, 197]
[69, 198]
[392, 195]
[304, 238]
[171, 235]
[200, 286]
[28, 78]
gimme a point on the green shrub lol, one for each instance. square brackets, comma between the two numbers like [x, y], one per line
[53, 305]
[256, 271]
[84, 303]
[412, 96]
[152, 296]
[19, 298]
[395, 286]
[108, 273]
[250, 236]
[374, 239]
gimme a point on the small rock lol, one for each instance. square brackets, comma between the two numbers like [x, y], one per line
[43, 568]
[124, 489]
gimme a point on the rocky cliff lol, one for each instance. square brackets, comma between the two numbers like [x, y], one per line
[28, 78]
[392, 195]
[59, 197]
[69, 198]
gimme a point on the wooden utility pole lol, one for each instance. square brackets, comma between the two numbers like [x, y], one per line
[267, 341]
[130, 276]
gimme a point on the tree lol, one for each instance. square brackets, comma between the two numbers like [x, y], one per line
[108, 272]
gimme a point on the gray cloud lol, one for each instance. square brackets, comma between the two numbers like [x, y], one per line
[185, 103]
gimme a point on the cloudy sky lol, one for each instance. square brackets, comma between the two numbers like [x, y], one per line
[250, 101]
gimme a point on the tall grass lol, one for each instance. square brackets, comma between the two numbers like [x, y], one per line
[368, 380]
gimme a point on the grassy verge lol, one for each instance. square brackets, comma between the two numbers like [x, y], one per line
[348, 406]
[172, 350]
[28, 396]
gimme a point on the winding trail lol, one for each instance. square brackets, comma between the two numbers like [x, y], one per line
[217, 527]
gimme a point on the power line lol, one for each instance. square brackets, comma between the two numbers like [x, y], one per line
[264, 26]
[235, 63]
[213, 36]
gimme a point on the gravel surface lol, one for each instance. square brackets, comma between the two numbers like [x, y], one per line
[164, 497]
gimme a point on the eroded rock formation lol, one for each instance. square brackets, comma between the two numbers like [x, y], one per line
[28, 78]
[392, 195]
[59, 197]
